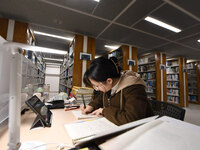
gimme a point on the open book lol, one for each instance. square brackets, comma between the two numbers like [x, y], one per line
[78, 114]
[82, 132]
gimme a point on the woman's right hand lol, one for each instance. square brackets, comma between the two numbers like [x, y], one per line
[86, 110]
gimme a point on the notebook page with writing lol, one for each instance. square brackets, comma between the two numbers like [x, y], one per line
[88, 128]
[78, 114]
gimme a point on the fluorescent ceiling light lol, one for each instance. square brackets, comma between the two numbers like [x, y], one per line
[112, 47]
[35, 48]
[52, 35]
[97, 0]
[53, 64]
[53, 59]
[162, 24]
[198, 40]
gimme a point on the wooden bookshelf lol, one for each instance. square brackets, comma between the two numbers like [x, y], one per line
[73, 67]
[123, 54]
[149, 67]
[176, 81]
[193, 82]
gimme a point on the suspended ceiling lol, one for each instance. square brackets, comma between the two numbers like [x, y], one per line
[113, 22]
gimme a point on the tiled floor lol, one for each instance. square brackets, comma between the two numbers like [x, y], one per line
[193, 114]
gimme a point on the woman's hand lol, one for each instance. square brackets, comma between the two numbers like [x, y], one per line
[98, 112]
[86, 110]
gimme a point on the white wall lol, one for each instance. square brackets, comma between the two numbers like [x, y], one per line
[52, 78]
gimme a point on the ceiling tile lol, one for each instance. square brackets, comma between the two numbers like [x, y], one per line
[174, 17]
[190, 5]
[188, 32]
[138, 10]
[69, 20]
[132, 37]
[191, 41]
[154, 29]
[82, 5]
[109, 9]
[176, 50]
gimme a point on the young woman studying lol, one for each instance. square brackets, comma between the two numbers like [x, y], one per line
[122, 99]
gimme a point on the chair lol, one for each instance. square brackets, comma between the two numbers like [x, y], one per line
[167, 109]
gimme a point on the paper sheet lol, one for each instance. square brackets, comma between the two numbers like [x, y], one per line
[86, 128]
[78, 114]
[155, 135]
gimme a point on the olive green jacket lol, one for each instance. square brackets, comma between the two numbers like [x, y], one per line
[128, 103]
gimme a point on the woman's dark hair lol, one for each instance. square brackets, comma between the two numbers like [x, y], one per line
[101, 69]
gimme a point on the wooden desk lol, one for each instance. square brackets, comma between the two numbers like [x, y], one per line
[55, 134]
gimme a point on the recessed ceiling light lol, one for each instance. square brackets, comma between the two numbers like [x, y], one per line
[162, 24]
[112, 47]
[54, 36]
[53, 59]
[198, 40]
[36, 48]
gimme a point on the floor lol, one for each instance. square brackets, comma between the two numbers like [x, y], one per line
[193, 114]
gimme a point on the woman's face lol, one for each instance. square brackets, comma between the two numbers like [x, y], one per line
[101, 86]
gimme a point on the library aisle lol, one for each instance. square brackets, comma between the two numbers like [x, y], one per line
[192, 114]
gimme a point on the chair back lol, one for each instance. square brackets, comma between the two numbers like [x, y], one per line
[167, 109]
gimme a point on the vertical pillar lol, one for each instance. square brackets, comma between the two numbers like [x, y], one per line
[86, 45]
[181, 81]
[158, 76]
[129, 52]
[12, 30]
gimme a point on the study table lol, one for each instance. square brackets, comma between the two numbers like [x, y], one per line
[55, 134]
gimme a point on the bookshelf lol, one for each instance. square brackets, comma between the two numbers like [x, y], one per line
[123, 54]
[73, 68]
[66, 70]
[193, 82]
[176, 81]
[33, 73]
[150, 71]
[118, 54]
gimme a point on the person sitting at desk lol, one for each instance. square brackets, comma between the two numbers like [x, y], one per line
[122, 99]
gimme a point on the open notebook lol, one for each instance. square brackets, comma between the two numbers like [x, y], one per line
[82, 132]
[88, 128]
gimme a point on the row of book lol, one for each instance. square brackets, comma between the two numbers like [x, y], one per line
[146, 68]
[173, 99]
[173, 92]
[172, 77]
[82, 94]
[174, 84]
[148, 75]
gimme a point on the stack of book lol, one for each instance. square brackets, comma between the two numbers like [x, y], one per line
[82, 94]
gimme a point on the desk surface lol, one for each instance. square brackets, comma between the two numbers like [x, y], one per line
[55, 134]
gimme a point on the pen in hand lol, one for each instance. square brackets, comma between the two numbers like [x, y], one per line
[83, 102]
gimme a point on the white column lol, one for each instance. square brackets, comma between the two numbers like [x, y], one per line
[130, 56]
[10, 32]
[84, 61]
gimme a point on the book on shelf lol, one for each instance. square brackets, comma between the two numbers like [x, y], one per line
[98, 129]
